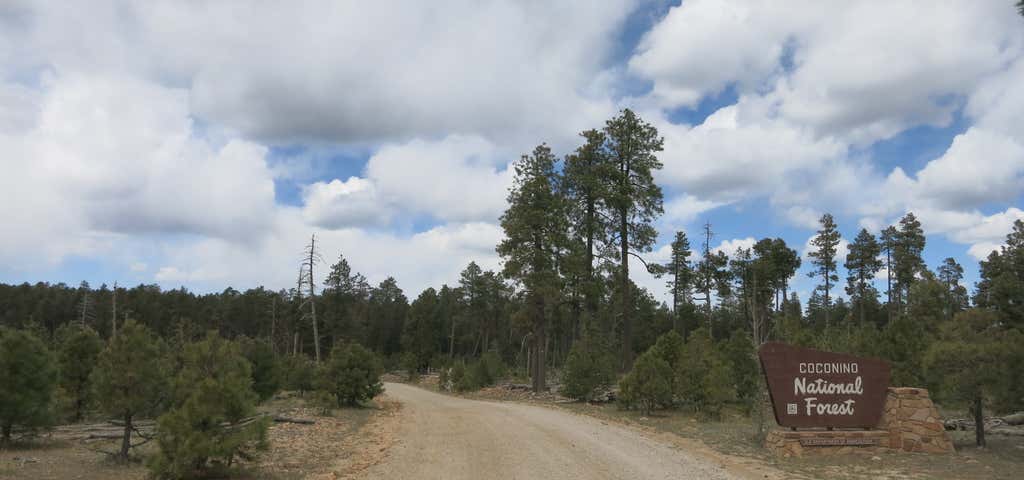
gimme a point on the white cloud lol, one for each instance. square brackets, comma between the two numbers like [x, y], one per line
[458, 178]
[703, 46]
[737, 154]
[685, 208]
[980, 167]
[347, 71]
[803, 216]
[859, 70]
[981, 251]
[417, 261]
[110, 155]
[729, 247]
[338, 204]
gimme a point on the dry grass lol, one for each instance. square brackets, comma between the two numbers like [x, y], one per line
[734, 435]
[336, 446]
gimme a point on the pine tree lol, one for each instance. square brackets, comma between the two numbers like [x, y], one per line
[28, 376]
[907, 260]
[712, 274]
[950, 273]
[973, 362]
[266, 372]
[474, 299]
[209, 423]
[79, 349]
[888, 242]
[422, 334]
[388, 309]
[681, 277]
[633, 202]
[130, 379]
[584, 178]
[345, 294]
[781, 263]
[589, 368]
[826, 244]
[647, 385]
[862, 263]
[351, 375]
[1001, 284]
[534, 226]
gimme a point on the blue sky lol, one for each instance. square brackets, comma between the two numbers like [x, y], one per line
[153, 142]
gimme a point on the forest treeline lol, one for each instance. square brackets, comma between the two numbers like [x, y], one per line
[565, 300]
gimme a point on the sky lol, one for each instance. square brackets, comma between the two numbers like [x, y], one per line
[201, 144]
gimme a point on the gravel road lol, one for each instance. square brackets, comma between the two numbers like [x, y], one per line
[441, 436]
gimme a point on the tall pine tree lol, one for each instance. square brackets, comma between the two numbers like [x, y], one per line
[534, 226]
[680, 276]
[633, 202]
[826, 244]
[862, 263]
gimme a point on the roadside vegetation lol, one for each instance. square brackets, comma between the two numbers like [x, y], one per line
[184, 375]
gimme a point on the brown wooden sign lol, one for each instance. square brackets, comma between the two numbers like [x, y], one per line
[812, 388]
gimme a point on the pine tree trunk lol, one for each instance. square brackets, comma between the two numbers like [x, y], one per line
[627, 304]
[451, 341]
[675, 301]
[113, 316]
[126, 441]
[861, 301]
[979, 422]
[539, 346]
[888, 280]
[827, 304]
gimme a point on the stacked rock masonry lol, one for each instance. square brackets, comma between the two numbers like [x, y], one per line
[913, 422]
[909, 423]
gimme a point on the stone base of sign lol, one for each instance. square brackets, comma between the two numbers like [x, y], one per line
[788, 443]
[914, 422]
[910, 423]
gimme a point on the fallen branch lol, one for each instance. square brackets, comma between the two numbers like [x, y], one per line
[301, 421]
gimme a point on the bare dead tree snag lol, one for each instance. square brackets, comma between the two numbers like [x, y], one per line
[310, 258]
[113, 315]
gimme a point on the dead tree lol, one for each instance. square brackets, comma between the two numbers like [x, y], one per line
[113, 309]
[310, 258]
[85, 313]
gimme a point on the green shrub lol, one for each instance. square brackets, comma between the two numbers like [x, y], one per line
[266, 372]
[588, 369]
[410, 363]
[209, 424]
[299, 374]
[491, 369]
[483, 372]
[738, 353]
[465, 378]
[718, 387]
[704, 379]
[670, 348]
[351, 375]
[444, 378]
[647, 386]
[28, 376]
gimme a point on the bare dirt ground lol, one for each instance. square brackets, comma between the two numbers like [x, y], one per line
[337, 446]
[442, 436]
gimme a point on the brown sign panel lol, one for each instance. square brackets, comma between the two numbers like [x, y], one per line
[812, 388]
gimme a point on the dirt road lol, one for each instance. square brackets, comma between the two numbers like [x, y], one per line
[453, 438]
